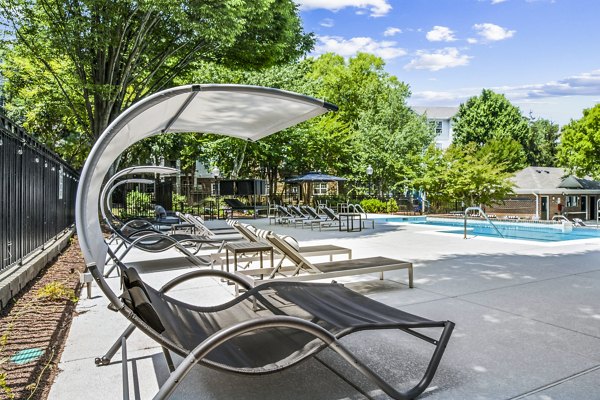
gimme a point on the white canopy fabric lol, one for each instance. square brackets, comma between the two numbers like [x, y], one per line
[246, 112]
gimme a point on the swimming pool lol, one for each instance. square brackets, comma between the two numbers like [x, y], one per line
[510, 230]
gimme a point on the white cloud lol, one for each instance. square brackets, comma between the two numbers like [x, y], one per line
[449, 57]
[584, 84]
[471, 40]
[392, 31]
[327, 23]
[348, 47]
[440, 34]
[498, 1]
[377, 8]
[493, 33]
[558, 100]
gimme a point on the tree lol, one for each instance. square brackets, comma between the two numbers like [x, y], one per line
[542, 143]
[383, 131]
[491, 116]
[476, 179]
[100, 56]
[466, 174]
[579, 149]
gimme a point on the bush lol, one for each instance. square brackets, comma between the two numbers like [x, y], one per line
[391, 206]
[373, 205]
[138, 203]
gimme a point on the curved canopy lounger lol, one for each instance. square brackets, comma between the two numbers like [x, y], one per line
[254, 333]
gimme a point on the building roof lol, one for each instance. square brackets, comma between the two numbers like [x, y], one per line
[436, 112]
[550, 179]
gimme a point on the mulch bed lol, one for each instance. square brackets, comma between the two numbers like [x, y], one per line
[37, 322]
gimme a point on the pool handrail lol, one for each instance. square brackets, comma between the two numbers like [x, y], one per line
[481, 212]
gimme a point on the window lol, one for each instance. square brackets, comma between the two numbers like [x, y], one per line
[572, 201]
[438, 128]
[320, 188]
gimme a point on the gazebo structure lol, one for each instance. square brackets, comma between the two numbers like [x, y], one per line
[307, 183]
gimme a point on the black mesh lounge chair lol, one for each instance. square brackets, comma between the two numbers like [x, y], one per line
[156, 242]
[304, 270]
[270, 327]
[331, 220]
[236, 205]
[226, 233]
[286, 217]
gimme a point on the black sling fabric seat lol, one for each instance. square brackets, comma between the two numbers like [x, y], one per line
[289, 321]
[262, 352]
[156, 242]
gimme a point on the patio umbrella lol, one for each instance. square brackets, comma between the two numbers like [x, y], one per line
[315, 177]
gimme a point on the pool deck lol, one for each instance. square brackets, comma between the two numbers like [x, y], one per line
[527, 320]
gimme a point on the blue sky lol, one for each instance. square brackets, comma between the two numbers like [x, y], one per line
[544, 55]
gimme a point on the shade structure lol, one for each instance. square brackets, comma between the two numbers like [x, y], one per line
[140, 169]
[308, 179]
[315, 177]
[246, 112]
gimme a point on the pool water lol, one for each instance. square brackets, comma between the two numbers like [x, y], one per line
[509, 230]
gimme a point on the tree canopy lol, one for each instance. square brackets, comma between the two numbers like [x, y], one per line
[94, 58]
[466, 173]
[491, 116]
[579, 149]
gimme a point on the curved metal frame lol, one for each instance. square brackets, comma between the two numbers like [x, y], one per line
[328, 340]
[107, 202]
[141, 169]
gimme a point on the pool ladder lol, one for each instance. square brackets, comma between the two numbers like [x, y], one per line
[481, 212]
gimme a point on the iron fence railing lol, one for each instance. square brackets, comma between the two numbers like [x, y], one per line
[37, 194]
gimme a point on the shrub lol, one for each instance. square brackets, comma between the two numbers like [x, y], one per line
[373, 205]
[138, 202]
[391, 206]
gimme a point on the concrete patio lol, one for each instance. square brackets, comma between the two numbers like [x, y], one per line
[527, 320]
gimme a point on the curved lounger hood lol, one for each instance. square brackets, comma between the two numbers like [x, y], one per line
[246, 112]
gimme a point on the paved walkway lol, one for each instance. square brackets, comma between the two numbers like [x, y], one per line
[527, 325]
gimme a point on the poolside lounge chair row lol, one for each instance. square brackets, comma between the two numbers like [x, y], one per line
[308, 216]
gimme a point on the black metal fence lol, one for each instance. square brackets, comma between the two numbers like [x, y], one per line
[37, 194]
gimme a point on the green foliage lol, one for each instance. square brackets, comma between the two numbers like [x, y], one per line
[506, 152]
[94, 58]
[491, 116]
[138, 202]
[542, 144]
[391, 206]
[464, 173]
[382, 130]
[579, 149]
[486, 117]
[4, 387]
[378, 206]
[373, 205]
[178, 199]
[56, 291]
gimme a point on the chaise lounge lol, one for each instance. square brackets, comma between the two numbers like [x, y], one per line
[304, 270]
[270, 327]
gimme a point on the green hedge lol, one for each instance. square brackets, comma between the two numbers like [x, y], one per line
[378, 206]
